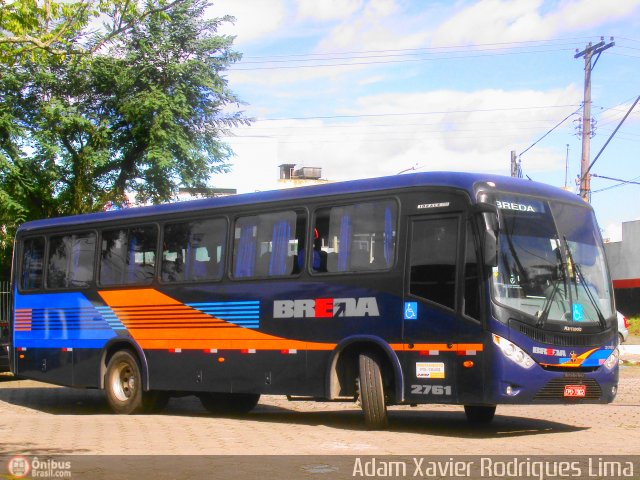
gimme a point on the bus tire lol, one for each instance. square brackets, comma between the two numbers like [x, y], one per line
[371, 390]
[123, 384]
[479, 413]
[229, 403]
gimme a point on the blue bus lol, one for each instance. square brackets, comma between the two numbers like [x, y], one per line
[441, 287]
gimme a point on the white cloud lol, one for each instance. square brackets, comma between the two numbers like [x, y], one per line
[380, 25]
[327, 10]
[460, 131]
[254, 165]
[370, 80]
[289, 76]
[613, 115]
[254, 18]
[489, 21]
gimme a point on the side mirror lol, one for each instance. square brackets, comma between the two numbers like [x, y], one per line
[488, 232]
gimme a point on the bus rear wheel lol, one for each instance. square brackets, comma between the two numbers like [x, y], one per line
[229, 403]
[479, 413]
[123, 384]
[371, 391]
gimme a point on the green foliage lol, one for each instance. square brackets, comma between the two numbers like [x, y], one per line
[87, 116]
[634, 326]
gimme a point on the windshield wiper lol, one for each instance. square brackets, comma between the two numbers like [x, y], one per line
[586, 288]
[546, 308]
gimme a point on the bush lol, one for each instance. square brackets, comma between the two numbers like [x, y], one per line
[634, 326]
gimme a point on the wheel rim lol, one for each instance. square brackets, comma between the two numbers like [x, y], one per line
[123, 382]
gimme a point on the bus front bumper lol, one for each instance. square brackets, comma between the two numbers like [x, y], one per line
[515, 385]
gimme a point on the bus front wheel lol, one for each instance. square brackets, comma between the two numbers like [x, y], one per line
[479, 413]
[371, 391]
[123, 384]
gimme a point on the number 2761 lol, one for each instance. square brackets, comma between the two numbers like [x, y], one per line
[431, 389]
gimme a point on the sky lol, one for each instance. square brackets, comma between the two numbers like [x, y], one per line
[366, 88]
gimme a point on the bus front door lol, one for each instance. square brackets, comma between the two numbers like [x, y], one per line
[431, 325]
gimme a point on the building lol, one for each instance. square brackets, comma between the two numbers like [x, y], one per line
[624, 264]
[301, 177]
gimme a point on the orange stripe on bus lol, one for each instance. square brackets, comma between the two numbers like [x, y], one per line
[139, 297]
[159, 322]
[257, 344]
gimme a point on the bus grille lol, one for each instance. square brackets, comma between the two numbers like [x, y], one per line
[562, 339]
[555, 388]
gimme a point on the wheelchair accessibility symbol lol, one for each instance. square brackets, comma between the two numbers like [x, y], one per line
[410, 310]
[578, 313]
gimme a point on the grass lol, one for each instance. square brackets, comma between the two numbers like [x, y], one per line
[634, 326]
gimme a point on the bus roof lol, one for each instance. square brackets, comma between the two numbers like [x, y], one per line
[459, 180]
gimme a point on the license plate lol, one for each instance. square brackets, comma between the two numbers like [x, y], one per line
[575, 390]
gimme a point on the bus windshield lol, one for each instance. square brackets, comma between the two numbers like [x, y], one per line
[551, 263]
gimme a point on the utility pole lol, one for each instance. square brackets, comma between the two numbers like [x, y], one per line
[588, 53]
[516, 166]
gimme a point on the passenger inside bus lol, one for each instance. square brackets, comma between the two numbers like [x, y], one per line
[318, 256]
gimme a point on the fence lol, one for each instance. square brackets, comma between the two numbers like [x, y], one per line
[5, 302]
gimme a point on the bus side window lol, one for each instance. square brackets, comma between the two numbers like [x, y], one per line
[193, 251]
[141, 258]
[112, 263]
[244, 252]
[434, 244]
[70, 262]
[32, 261]
[128, 256]
[267, 245]
[357, 238]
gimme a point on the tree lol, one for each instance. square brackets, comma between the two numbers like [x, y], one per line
[37, 29]
[87, 116]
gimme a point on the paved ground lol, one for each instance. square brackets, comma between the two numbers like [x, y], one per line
[39, 419]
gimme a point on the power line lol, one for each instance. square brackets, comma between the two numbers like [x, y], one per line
[348, 64]
[542, 122]
[480, 46]
[586, 173]
[405, 132]
[549, 131]
[434, 53]
[314, 57]
[622, 182]
[630, 48]
[630, 39]
[617, 179]
[371, 138]
[618, 54]
[615, 107]
[399, 114]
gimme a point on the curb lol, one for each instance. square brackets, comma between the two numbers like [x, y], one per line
[629, 354]
[629, 349]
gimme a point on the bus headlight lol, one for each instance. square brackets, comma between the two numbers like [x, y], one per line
[513, 352]
[612, 360]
